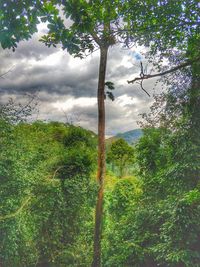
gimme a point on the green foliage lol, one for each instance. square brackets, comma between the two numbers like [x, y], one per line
[166, 24]
[18, 20]
[125, 192]
[109, 93]
[161, 226]
[46, 190]
[119, 201]
[121, 155]
[90, 26]
[46, 214]
[151, 150]
[79, 137]
[110, 85]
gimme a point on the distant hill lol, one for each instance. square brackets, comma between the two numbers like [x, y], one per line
[130, 136]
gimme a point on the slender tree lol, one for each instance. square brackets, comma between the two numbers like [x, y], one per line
[95, 25]
[99, 24]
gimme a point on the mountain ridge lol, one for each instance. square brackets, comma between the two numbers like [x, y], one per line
[130, 137]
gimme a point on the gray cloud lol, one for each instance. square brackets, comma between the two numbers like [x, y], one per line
[55, 76]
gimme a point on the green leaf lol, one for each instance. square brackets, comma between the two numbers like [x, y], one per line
[110, 85]
[110, 95]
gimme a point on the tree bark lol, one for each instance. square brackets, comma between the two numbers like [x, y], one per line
[101, 158]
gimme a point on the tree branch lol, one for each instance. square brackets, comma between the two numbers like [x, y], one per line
[149, 76]
[15, 213]
[55, 172]
[96, 38]
[3, 74]
[141, 85]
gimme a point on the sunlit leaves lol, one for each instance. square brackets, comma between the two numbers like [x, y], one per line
[121, 155]
[58, 212]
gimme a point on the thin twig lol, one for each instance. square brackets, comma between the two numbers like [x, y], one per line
[3, 74]
[141, 85]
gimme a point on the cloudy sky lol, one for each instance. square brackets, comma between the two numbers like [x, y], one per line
[66, 87]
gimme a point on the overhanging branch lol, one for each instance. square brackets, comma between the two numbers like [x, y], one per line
[149, 76]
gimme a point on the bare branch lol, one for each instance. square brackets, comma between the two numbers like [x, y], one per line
[148, 76]
[26, 106]
[141, 85]
[3, 74]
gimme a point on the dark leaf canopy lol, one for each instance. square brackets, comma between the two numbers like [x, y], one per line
[18, 20]
[162, 24]
[94, 24]
[166, 23]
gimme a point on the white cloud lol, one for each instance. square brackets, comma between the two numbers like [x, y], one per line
[125, 100]
[53, 59]
[72, 102]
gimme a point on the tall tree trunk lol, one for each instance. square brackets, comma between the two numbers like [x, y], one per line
[101, 158]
